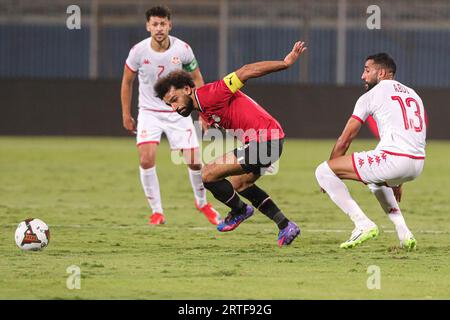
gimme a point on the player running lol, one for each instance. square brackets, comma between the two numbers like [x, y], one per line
[222, 104]
[399, 156]
[153, 58]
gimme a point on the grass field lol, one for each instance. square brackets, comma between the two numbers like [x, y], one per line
[88, 191]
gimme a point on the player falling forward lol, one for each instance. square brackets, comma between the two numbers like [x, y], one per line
[222, 104]
[153, 58]
[398, 157]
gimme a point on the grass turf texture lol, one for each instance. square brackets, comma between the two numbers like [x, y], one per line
[88, 191]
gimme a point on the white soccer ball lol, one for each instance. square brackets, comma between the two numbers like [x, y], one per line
[32, 234]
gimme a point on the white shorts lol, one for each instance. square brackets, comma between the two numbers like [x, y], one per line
[180, 131]
[381, 167]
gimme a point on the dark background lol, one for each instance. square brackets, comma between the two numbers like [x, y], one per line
[85, 107]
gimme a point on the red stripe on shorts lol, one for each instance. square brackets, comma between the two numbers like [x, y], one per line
[354, 168]
[146, 142]
[404, 155]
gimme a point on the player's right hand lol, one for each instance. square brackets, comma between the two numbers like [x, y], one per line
[297, 50]
[129, 124]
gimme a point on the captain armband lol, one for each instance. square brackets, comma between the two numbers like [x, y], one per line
[190, 66]
[233, 82]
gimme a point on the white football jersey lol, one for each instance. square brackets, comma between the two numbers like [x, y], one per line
[400, 117]
[152, 65]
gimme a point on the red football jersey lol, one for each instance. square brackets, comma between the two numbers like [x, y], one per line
[223, 105]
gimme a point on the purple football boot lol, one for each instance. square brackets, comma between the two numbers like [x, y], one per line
[288, 234]
[231, 222]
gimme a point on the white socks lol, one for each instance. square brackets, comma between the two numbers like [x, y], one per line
[386, 198]
[150, 183]
[339, 194]
[195, 176]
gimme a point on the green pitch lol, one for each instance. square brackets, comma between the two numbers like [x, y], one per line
[88, 191]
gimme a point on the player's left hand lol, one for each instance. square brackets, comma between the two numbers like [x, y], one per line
[398, 192]
[297, 50]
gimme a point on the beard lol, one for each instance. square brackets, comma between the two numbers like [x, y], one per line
[160, 38]
[370, 85]
[186, 111]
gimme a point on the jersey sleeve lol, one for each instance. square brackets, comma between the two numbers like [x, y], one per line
[132, 61]
[188, 59]
[218, 93]
[361, 111]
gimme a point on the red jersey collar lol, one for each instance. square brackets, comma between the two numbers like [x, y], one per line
[198, 101]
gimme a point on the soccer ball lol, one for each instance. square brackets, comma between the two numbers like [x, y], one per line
[32, 234]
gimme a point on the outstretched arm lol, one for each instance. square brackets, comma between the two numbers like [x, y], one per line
[259, 69]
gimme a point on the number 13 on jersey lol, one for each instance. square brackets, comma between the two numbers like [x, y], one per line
[412, 117]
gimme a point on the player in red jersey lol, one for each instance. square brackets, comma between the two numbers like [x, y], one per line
[222, 104]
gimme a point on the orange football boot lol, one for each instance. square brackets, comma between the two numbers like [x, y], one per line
[210, 213]
[157, 218]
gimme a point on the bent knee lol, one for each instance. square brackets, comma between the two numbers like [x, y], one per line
[240, 185]
[322, 170]
[207, 174]
[146, 162]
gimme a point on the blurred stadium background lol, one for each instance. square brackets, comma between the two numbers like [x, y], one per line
[50, 72]
[56, 76]
[228, 33]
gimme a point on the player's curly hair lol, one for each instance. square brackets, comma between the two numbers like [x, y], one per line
[177, 79]
[158, 11]
[384, 60]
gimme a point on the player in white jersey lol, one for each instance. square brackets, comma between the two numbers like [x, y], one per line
[399, 156]
[152, 58]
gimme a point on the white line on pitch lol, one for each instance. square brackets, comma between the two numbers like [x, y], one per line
[91, 226]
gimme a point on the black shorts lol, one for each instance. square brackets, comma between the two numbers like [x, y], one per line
[256, 157]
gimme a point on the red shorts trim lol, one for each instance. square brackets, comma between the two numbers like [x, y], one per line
[129, 68]
[146, 142]
[357, 118]
[404, 155]
[354, 168]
